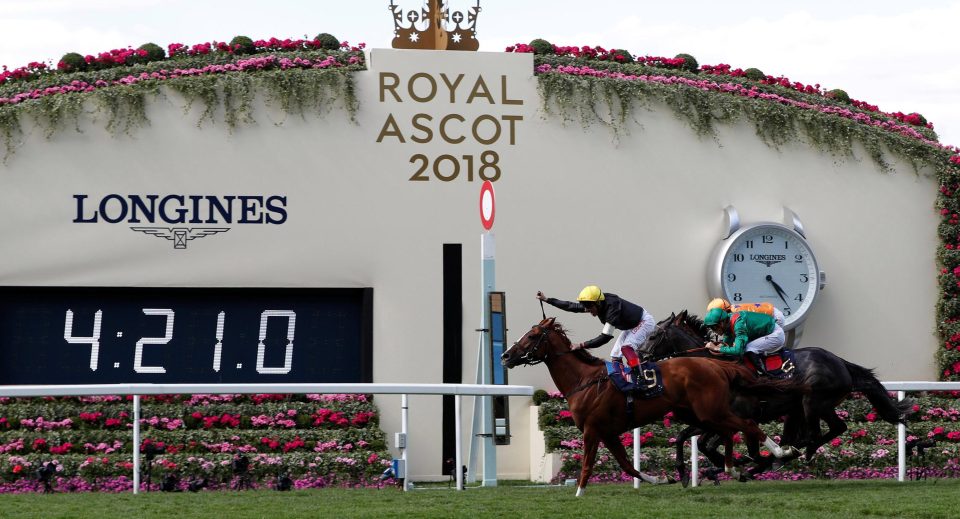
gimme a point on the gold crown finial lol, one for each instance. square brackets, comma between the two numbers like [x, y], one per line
[437, 33]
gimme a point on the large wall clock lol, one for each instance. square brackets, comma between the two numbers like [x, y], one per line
[768, 262]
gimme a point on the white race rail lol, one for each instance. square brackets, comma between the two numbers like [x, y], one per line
[457, 390]
[901, 387]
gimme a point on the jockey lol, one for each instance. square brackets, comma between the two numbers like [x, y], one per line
[745, 333]
[763, 308]
[614, 312]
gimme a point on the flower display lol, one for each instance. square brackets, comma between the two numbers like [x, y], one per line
[192, 436]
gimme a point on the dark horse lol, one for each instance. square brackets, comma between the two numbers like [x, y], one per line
[829, 377]
[697, 390]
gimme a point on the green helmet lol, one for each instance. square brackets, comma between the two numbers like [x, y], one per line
[715, 317]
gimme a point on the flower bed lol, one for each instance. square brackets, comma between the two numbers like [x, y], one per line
[867, 450]
[315, 440]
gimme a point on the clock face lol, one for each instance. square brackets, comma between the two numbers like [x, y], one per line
[770, 264]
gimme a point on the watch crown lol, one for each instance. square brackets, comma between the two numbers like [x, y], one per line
[823, 279]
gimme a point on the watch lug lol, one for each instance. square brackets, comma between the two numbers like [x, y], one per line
[790, 219]
[732, 222]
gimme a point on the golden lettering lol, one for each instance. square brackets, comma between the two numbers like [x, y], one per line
[433, 87]
[496, 133]
[425, 129]
[453, 86]
[503, 94]
[480, 90]
[390, 129]
[512, 119]
[392, 88]
[443, 129]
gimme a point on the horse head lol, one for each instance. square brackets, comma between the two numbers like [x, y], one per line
[544, 338]
[673, 335]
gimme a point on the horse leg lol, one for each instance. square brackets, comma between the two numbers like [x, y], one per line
[681, 466]
[836, 427]
[612, 442]
[590, 444]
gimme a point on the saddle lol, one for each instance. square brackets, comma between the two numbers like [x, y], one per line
[779, 364]
[648, 385]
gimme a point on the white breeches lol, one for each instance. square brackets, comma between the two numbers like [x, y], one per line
[635, 336]
[768, 343]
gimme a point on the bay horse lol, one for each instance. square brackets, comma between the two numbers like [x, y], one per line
[697, 390]
[830, 379]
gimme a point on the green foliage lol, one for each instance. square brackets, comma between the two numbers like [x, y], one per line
[540, 396]
[689, 62]
[754, 74]
[73, 61]
[621, 56]
[328, 41]
[154, 52]
[839, 95]
[541, 46]
[242, 45]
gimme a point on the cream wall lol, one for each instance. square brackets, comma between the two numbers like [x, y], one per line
[638, 215]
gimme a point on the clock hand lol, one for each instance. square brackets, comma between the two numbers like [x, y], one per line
[779, 290]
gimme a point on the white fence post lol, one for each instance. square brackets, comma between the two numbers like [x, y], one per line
[136, 444]
[404, 417]
[636, 455]
[457, 432]
[901, 445]
[694, 461]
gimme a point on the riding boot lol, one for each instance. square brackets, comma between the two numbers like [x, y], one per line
[757, 362]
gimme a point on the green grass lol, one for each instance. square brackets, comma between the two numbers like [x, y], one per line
[803, 499]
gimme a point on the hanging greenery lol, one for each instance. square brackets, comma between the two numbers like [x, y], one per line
[297, 82]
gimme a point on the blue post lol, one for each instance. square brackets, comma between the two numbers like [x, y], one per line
[488, 282]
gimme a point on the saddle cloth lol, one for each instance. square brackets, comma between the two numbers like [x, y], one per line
[649, 385]
[779, 364]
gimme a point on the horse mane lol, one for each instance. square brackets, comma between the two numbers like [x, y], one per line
[695, 322]
[583, 355]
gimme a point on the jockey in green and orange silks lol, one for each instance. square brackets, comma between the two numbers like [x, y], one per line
[744, 332]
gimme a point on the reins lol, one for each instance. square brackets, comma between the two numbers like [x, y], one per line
[598, 380]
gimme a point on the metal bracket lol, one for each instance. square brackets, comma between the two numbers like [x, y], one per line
[732, 220]
[790, 219]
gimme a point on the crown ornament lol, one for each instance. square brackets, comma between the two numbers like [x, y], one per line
[442, 30]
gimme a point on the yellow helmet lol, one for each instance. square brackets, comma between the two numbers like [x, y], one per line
[720, 303]
[590, 294]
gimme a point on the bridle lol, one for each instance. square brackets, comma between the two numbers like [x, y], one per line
[527, 358]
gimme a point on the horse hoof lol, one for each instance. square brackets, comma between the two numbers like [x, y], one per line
[666, 480]
[685, 481]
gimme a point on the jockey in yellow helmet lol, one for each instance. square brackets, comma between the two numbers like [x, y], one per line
[614, 312]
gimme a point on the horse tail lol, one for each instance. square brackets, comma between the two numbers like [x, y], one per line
[890, 410]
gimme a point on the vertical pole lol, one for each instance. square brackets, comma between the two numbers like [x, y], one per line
[475, 429]
[694, 461]
[404, 422]
[488, 281]
[901, 445]
[636, 455]
[457, 468]
[136, 444]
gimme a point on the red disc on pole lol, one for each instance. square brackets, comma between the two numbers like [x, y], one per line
[488, 208]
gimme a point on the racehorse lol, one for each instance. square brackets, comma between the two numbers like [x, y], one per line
[830, 378]
[697, 390]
